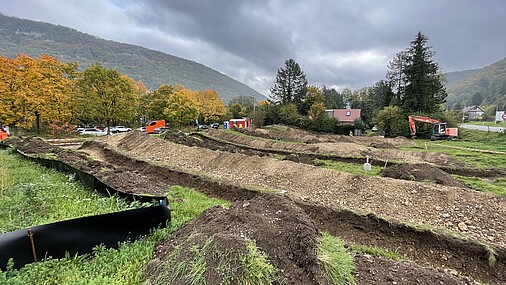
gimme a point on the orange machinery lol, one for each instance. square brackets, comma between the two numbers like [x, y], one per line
[439, 130]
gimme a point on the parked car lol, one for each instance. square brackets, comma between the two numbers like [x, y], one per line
[142, 129]
[215, 125]
[120, 129]
[92, 131]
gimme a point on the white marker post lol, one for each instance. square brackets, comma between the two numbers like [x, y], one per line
[367, 165]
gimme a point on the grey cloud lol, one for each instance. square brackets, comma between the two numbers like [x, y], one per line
[337, 42]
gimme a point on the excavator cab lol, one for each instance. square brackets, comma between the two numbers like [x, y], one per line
[438, 131]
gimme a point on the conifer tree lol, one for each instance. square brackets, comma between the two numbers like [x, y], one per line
[290, 85]
[424, 91]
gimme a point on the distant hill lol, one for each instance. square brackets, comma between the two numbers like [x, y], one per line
[459, 75]
[153, 68]
[487, 86]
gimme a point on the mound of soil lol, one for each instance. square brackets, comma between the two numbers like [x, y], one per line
[420, 172]
[278, 226]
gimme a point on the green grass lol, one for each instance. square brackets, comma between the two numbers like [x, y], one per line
[354, 168]
[497, 186]
[377, 251]
[465, 148]
[257, 270]
[124, 265]
[338, 264]
[32, 195]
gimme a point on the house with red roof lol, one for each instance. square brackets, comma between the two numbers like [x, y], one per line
[345, 116]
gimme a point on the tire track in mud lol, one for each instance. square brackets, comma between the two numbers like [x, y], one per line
[424, 247]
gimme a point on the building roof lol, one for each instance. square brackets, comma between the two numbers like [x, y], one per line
[474, 108]
[346, 115]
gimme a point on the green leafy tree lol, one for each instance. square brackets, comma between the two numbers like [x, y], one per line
[105, 96]
[392, 121]
[424, 91]
[290, 85]
[182, 107]
[154, 103]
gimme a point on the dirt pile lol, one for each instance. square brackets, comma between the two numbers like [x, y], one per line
[277, 225]
[345, 149]
[476, 214]
[286, 133]
[420, 172]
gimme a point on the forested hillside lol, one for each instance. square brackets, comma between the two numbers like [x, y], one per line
[153, 68]
[485, 87]
[455, 76]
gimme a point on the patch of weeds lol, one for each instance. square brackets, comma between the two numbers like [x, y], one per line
[491, 255]
[377, 251]
[278, 156]
[257, 270]
[338, 264]
[497, 186]
[48, 155]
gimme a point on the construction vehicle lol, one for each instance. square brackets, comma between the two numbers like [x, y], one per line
[3, 134]
[439, 129]
[152, 126]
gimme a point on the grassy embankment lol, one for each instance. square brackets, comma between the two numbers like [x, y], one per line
[478, 149]
[32, 195]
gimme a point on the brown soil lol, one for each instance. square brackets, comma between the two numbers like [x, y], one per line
[421, 172]
[286, 133]
[141, 164]
[277, 225]
[459, 209]
[349, 149]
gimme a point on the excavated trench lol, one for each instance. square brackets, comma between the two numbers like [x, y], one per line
[209, 142]
[422, 246]
[426, 248]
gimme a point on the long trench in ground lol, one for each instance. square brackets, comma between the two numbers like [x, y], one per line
[214, 143]
[424, 247]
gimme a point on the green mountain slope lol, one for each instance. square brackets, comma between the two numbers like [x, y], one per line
[485, 87]
[153, 68]
[455, 76]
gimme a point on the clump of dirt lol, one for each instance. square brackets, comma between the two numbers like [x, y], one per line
[420, 172]
[278, 226]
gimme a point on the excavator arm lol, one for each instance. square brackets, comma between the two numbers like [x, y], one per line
[412, 119]
[439, 130]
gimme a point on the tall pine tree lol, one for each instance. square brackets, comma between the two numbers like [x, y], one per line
[290, 85]
[424, 91]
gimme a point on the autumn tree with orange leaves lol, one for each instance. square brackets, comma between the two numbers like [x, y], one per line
[210, 106]
[33, 91]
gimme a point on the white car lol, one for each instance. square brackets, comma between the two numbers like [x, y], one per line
[120, 129]
[92, 131]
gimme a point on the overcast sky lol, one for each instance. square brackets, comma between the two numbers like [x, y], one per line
[341, 43]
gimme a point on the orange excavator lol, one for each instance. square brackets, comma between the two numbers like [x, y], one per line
[439, 130]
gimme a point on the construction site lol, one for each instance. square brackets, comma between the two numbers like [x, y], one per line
[283, 197]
